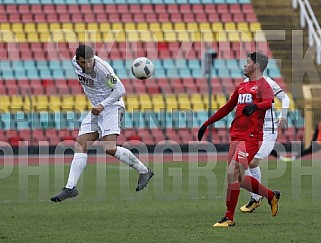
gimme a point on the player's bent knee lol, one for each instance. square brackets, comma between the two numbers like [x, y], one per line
[111, 151]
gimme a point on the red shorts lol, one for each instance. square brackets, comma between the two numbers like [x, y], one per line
[242, 152]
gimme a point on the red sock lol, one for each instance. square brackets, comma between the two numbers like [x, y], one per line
[253, 185]
[232, 195]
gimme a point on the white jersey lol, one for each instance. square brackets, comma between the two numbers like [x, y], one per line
[102, 86]
[270, 124]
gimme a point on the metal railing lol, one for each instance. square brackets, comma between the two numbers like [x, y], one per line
[308, 18]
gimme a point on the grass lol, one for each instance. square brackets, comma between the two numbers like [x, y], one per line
[181, 204]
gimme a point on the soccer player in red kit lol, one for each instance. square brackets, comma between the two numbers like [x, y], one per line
[251, 99]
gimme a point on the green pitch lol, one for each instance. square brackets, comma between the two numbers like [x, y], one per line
[181, 204]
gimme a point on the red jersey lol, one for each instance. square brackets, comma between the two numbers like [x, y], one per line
[245, 128]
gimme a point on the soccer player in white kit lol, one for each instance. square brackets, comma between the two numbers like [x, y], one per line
[105, 91]
[270, 133]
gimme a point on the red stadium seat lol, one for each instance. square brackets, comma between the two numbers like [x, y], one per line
[99, 8]
[49, 9]
[185, 8]
[161, 8]
[73, 8]
[86, 9]
[148, 8]
[38, 8]
[210, 9]
[64, 18]
[135, 9]
[15, 18]
[12, 8]
[24, 8]
[172, 9]
[235, 8]
[199, 8]
[3, 9]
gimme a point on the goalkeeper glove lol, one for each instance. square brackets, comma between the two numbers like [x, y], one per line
[201, 132]
[249, 109]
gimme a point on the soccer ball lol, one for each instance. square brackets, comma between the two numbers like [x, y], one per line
[142, 68]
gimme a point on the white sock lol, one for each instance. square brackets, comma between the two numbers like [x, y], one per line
[256, 173]
[127, 157]
[77, 166]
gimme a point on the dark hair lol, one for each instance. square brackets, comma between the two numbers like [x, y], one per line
[84, 51]
[260, 58]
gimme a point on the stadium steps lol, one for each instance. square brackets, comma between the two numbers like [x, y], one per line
[271, 14]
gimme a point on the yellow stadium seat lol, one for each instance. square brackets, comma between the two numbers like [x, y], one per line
[54, 27]
[259, 35]
[9, 36]
[179, 26]
[192, 26]
[131, 102]
[117, 26]
[105, 27]
[17, 27]
[29, 104]
[93, 26]
[154, 26]
[198, 106]
[32, 37]
[167, 26]
[44, 37]
[21, 37]
[230, 26]
[196, 36]
[183, 36]
[16, 102]
[81, 37]
[221, 100]
[242, 26]
[5, 103]
[81, 102]
[158, 35]
[146, 35]
[43, 27]
[245, 36]
[171, 102]
[121, 36]
[67, 103]
[5, 26]
[130, 26]
[184, 102]
[79, 27]
[93, 36]
[54, 103]
[217, 26]
[204, 26]
[208, 36]
[255, 26]
[132, 35]
[158, 102]
[170, 35]
[142, 26]
[197, 102]
[41, 102]
[221, 36]
[29, 27]
[233, 36]
[68, 26]
[206, 103]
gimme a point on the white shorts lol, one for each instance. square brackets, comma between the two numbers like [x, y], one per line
[267, 145]
[106, 123]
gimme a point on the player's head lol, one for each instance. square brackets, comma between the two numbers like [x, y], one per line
[256, 63]
[85, 58]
